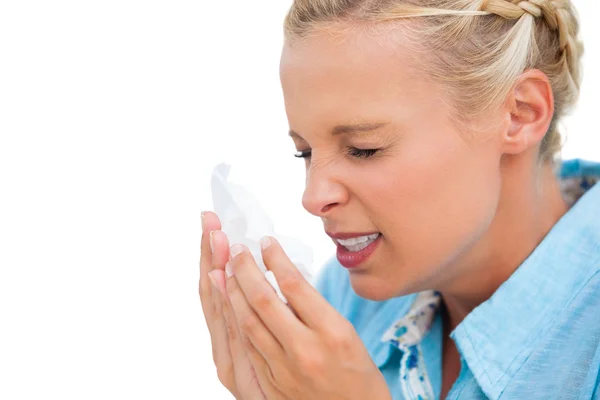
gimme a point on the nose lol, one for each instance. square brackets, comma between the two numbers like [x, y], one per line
[323, 193]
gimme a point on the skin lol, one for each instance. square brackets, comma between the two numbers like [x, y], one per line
[459, 207]
[457, 215]
[264, 349]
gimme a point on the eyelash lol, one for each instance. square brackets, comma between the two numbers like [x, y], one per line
[352, 151]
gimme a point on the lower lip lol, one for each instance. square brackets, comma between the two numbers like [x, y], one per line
[352, 259]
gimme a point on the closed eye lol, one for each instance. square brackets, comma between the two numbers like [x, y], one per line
[303, 154]
[361, 153]
[352, 151]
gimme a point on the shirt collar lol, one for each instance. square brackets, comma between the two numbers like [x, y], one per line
[496, 338]
[410, 329]
[381, 350]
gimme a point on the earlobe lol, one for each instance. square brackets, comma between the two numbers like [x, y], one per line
[531, 107]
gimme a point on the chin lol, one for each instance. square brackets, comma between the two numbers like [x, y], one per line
[371, 288]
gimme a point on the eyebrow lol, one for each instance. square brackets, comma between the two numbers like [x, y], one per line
[348, 129]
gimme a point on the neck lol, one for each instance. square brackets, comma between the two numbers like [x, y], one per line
[530, 204]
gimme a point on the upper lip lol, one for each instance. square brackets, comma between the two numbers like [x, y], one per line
[348, 235]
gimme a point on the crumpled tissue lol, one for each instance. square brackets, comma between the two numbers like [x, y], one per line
[244, 221]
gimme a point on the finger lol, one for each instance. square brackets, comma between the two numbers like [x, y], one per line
[251, 326]
[220, 254]
[261, 348]
[245, 375]
[220, 337]
[264, 374]
[312, 308]
[220, 250]
[210, 222]
[276, 315]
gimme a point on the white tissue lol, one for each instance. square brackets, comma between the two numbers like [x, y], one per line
[244, 221]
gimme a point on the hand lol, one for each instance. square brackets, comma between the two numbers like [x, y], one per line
[312, 352]
[234, 368]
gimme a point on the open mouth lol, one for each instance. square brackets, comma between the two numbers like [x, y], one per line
[358, 243]
[353, 252]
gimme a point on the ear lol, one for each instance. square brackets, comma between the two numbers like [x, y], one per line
[531, 108]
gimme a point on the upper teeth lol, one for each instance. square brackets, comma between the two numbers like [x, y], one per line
[358, 240]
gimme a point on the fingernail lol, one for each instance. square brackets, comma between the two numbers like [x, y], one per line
[229, 269]
[236, 249]
[212, 241]
[202, 219]
[265, 242]
[212, 280]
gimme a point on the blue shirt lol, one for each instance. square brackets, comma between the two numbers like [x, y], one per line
[537, 337]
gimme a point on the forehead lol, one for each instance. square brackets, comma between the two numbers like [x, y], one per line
[351, 74]
[344, 54]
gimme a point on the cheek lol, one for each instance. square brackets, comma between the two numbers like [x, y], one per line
[433, 202]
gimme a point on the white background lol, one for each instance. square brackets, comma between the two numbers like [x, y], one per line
[112, 115]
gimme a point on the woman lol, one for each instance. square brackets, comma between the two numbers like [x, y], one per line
[429, 130]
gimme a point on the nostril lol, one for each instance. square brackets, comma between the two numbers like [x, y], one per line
[327, 207]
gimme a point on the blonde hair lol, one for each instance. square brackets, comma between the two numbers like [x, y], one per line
[476, 48]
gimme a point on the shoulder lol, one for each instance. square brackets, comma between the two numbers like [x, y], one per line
[570, 349]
